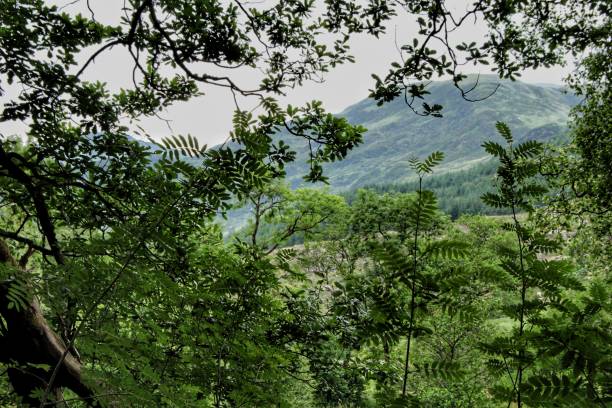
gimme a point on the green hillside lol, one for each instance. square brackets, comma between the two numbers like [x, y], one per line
[395, 134]
[458, 192]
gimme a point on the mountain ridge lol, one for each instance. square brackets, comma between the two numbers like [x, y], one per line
[395, 133]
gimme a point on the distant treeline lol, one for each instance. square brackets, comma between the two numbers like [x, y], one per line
[458, 192]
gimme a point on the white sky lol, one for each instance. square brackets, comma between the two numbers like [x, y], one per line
[209, 117]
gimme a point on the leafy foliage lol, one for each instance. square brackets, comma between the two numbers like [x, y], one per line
[519, 36]
[111, 231]
[175, 146]
[126, 294]
[538, 286]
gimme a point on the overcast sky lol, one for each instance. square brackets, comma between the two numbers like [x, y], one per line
[209, 117]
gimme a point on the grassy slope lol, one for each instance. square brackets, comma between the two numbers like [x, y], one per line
[395, 134]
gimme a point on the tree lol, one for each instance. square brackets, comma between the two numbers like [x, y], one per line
[281, 216]
[94, 233]
[519, 36]
[81, 190]
[386, 299]
[407, 262]
[539, 286]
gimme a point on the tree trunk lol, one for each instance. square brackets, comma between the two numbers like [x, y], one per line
[28, 339]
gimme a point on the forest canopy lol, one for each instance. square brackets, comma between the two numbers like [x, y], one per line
[117, 287]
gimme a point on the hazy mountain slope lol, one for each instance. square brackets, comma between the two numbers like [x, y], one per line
[395, 133]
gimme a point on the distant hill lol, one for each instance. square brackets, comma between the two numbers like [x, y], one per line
[395, 133]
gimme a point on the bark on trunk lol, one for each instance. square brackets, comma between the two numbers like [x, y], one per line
[29, 339]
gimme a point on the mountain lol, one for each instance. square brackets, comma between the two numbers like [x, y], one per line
[395, 134]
